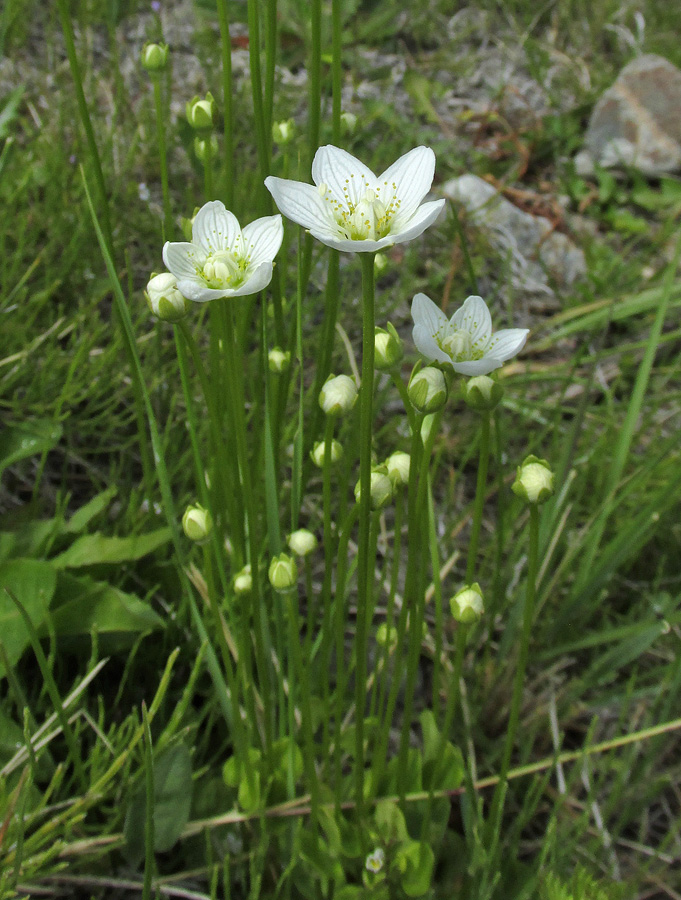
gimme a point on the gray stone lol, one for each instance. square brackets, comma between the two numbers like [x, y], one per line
[637, 122]
[535, 251]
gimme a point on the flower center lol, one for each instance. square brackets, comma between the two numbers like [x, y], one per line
[369, 218]
[457, 344]
[222, 270]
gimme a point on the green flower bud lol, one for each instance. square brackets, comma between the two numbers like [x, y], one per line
[380, 263]
[381, 488]
[164, 299]
[154, 57]
[428, 390]
[386, 637]
[201, 113]
[283, 132]
[388, 348]
[243, 580]
[302, 542]
[338, 395]
[483, 393]
[348, 122]
[397, 465]
[206, 148]
[534, 480]
[317, 453]
[278, 360]
[197, 523]
[283, 572]
[187, 225]
[466, 605]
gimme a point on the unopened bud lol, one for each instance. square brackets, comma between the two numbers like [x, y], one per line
[483, 393]
[338, 395]
[380, 263]
[302, 542]
[348, 122]
[155, 57]
[197, 523]
[388, 348]
[534, 480]
[466, 605]
[164, 299]
[283, 132]
[283, 572]
[386, 636]
[206, 148]
[381, 488]
[428, 390]
[201, 113]
[243, 580]
[317, 453]
[397, 465]
[278, 360]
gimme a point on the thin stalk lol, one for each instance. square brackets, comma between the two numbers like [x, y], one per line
[208, 172]
[315, 78]
[518, 683]
[256, 89]
[162, 157]
[270, 64]
[149, 859]
[226, 52]
[336, 69]
[364, 563]
[325, 599]
[390, 608]
[480, 488]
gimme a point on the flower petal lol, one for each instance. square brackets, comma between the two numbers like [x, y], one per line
[262, 239]
[303, 204]
[478, 366]
[350, 246]
[195, 289]
[427, 314]
[183, 259]
[409, 180]
[216, 228]
[427, 346]
[506, 343]
[424, 216]
[474, 317]
[257, 281]
[345, 176]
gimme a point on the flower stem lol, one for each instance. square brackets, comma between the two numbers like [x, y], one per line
[336, 70]
[479, 498]
[315, 78]
[162, 158]
[228, 150]
[364, 564]
[256, 89]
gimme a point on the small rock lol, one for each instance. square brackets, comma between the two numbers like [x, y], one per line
[535, 250]
[636, 122]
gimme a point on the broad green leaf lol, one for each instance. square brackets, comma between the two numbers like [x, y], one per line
[390, 822]
[96, 604]
[82, 517]
[21, 441]
[97, 549]
[415, 862]
[32, 582]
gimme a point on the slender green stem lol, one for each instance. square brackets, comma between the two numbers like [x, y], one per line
[480, 489]
[315, 78]
[325, 599]
[208, 172]
[149, 859]
[336, 69]
[228, 149]
[261, 137]
[518, 683]
[390, 608]
[404, 395]
[162, 157]
[270, 64]
[364, 564]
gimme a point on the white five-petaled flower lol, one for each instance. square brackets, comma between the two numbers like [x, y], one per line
[223, 260]
[465, 342]
[350, 208]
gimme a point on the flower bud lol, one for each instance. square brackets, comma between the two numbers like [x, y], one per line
[428, 390]
[317, 453]
[206, 148]
[386, 636]
[278, 360]
[338, 395]
[201, 113]
[302, 542]
[466, 605]
[283, 572]
[483, 393]
[375, 861]
[534, 480]
[283, 132]
[197, 523]
[380, 263]
[243, 580]
[381, 488]
[388, 349]
[397, 465]
[348, 122]
[155, 57]
[164, 299]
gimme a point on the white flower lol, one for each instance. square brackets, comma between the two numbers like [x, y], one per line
[352, 209]
[222, 260]
[465, 341]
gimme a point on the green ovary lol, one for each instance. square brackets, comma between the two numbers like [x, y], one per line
[459, 346]
[222, 270]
